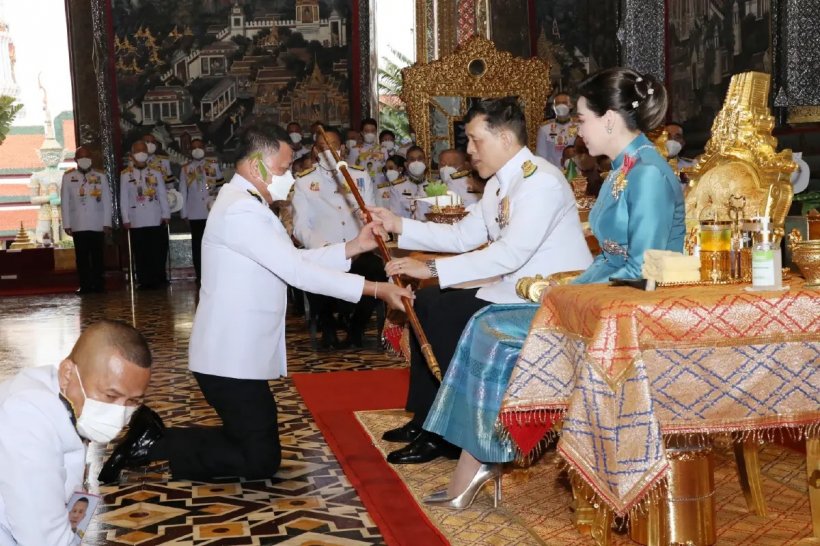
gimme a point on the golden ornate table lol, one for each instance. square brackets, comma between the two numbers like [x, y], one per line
[626, 371]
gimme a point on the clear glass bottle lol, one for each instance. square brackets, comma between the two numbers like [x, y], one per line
[767, 261]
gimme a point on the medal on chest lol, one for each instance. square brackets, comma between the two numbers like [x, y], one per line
[503, 218]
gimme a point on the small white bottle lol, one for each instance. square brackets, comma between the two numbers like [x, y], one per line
[767, 260]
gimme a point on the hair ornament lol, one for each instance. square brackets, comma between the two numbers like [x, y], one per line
[650, 91]
[635, 104]
[638, 79]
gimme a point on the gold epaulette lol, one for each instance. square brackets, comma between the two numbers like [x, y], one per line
[306, 172]
[460, 174]
[383, 185]
[71, 170]
[398, 181]
[356, 167]
[128, 169]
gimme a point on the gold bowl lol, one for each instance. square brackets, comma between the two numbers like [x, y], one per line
[806, 254]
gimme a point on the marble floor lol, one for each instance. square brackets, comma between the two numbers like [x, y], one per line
[309, 502]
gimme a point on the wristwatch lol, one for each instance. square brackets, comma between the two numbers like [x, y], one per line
[431, 267]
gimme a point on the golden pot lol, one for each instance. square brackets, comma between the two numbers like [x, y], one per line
[806, 254]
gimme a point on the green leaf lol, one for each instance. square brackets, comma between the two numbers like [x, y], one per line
[8, 111]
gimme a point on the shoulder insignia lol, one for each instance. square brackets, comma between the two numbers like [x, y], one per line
[356, 167]
[161, 156]
[256, 196]
[383, 185]
[529, 168]
[128, 169]
[71, 170]
[306, 172]
[459, 174]
[397, 181]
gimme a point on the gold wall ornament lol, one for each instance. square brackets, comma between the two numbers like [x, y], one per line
[476, 69]
[741, 158]
[804, 114]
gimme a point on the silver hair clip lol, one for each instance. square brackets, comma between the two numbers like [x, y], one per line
[650, 91]
[639, 79]
[635, 104]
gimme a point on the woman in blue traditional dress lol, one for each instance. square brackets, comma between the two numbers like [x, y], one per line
[640, 207]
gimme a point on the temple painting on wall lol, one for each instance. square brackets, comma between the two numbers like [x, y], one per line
[201, 68]
[709, 41]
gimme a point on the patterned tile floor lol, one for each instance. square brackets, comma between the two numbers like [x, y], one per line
[310, 502]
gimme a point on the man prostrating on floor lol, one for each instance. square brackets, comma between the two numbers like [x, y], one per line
[238, 337]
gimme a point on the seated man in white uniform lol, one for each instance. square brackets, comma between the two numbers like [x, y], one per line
[47, 416]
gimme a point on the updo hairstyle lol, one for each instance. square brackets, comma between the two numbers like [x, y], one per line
[640, 99]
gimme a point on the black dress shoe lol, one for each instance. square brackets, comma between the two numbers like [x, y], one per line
[426, 447]
[144, 430]
[405, 433]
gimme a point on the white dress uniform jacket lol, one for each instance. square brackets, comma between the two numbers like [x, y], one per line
[553, 137]
[248, 260]
[197, 179]
[324, 212]
[458, 183]
[403, 195]
[529, 217]
[371, 158]
[42, 460]
[143, 197]
[160, 163]
[86, 200]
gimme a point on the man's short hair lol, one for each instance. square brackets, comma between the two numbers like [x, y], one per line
[82, 499]
[414, 149]
[368, 121]
[501, 114]
[262, 135]
[387, 132]
[117, 336]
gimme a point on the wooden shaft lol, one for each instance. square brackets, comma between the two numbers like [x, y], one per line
[426, 349]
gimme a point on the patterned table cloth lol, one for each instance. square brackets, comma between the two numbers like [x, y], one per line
[624, 367]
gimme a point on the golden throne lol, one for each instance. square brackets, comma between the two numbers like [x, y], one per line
[438, 94]
[740, 163]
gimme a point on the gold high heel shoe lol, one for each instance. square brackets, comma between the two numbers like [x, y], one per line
[486, 473]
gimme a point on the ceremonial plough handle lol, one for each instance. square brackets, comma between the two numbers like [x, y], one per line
[426, 349]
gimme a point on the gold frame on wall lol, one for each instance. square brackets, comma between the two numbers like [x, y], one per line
[504, 75]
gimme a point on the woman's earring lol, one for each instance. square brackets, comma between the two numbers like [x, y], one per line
[609, 129]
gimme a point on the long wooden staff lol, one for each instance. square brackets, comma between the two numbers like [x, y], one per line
[426, 349]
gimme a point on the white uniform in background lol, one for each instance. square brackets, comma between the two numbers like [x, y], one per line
[42, 460]
[324, 211]
[371, 158]
[403, 195]
[553, 137]
[86, 200]
[239, 328]
[382, 194]
[458, 183]
[161, 164]
[199, 180]
[143, 197]
[529, 216]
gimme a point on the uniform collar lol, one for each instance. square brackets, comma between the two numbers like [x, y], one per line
[511, 168]
[637, 142]
[243, 183]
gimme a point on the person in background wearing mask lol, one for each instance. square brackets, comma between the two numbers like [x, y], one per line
[199, 179]
[87, 211]
[145, 213]
[353, 138]
[404, 194]
[674, 144]
[47, 416]
[555, 135]
[325, 213]
[238, 337]
[370, 151]
[393, 174]
[158, 161]
[295, 134]
[453, 172]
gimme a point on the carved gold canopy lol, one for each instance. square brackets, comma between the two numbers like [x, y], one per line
[740, 162]
[438, 94]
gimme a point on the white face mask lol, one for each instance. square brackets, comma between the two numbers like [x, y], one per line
[370, 138]
[279, 185]
[446, 173]
[326, 160]
[391, 174]
[140, 157]
[417, 168]
[101, 421]
[151, 147]
[295, 137]
[351, 144]
[197, 153]
[388, 145]
[673, 148]
[561, 110]
[84, 163]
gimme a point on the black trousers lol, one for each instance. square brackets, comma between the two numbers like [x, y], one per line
[443, 314]
[88, 255]
[197, 229]
[149, 245]
[247, 443]
[369, 266]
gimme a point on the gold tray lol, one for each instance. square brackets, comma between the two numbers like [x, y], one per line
[787, 275]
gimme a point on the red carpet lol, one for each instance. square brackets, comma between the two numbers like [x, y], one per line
[332, 398]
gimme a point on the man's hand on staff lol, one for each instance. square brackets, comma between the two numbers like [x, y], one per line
[408, 267]
[365, 241]
[390, 221]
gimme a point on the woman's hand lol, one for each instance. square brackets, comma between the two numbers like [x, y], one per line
[392, 295]
[390, 221]
[409, 267]
[365, 241]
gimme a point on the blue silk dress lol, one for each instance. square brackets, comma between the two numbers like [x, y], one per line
[647, 214]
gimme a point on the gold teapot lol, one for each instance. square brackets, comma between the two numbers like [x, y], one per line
[806, 254]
